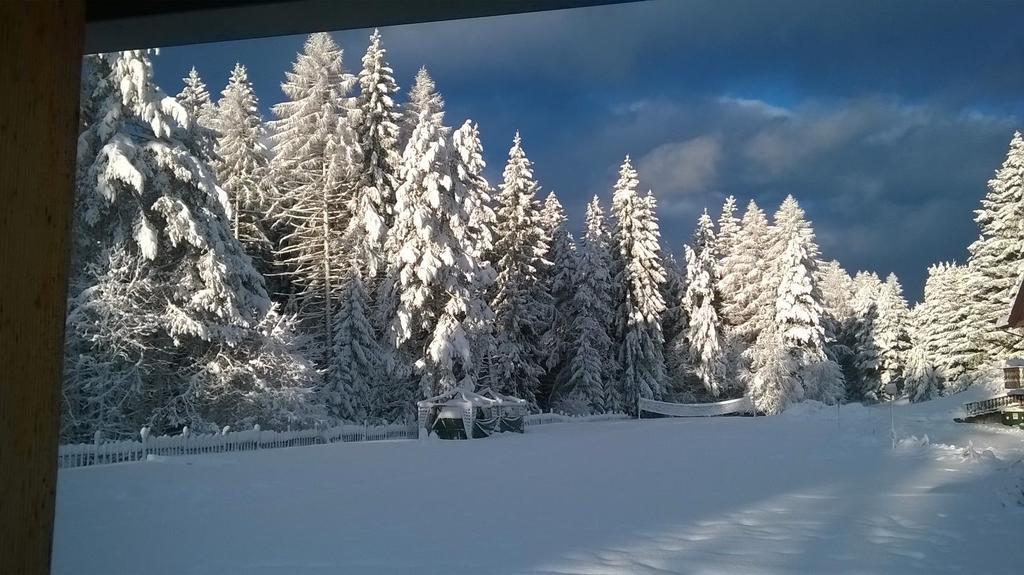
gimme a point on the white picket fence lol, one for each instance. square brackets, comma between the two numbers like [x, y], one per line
[546, 418]
[101, 452]
[105, 452]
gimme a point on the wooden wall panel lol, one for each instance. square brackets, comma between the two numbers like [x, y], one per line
[41, 43]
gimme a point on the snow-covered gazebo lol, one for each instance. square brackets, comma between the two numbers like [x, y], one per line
[463, 414]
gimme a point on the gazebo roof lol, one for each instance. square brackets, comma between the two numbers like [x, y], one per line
[1016, 317]
[486, 398]
[458, 397]
[501, 398]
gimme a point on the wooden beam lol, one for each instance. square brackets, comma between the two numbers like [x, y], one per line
[42, 44]
[131, 24]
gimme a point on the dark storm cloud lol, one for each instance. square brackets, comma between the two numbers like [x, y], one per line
[890, 186]
[884, 118]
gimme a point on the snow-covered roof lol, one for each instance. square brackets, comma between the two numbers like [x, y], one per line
[486, 398]
[458, 397]
[500, 397]
[1016, 316]
[1014, 362]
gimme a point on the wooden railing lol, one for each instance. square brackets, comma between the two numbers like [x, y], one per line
[990, 405]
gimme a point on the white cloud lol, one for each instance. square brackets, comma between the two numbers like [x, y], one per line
[759, 107]
[682, 168]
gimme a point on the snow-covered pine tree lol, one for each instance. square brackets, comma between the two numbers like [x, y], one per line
[726, 250]
[597, 239]
[379, 160]
[637, 283]
[674, 320]
[521, 303]
[560, 278]
[997, 257]
[866, 380]
[746, 276]
[728, 230]
[704, 333]
[468, 171]
[435, 272]
[922, 381]
[798, 317]
[242, 166]
[311, 167]
[893, 331]
[954, 351]
[425, 102]
[351, 390]
[837, 311]
[730, 287]
[772, 269]
[164, 307]
[197, 103]
[586, 383]
[675, 324]
[474, 192]
[423, 98]
[928, 324]
[774, 385]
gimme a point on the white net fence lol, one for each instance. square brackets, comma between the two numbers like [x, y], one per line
[728, 407]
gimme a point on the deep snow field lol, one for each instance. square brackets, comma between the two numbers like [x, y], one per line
[795, 493]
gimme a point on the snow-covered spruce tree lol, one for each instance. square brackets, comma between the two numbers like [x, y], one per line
[637, 283]
[560, 278]
[798, 317]
[997, 257]
[776, 268]
[521, 303]
[774, 386]
[585, 387]
[865, 379]
[728, 229]
[375, 125]
[746, 276]
[675, 323]
[351, 390]
[423, 98]
[726, 243]
[264, 379]
[836, 291]
[426, 103]
[893, 331]
[927, 326]
[242, 166]
[837, 312]
[922, 382]
[165, 309]
[597, 240]
[311, 169]
[944, 323]
[788, 221]
[435, 272]
[474, 193]
[674, 320]
[197, 103]
[468, 173]
[704, 333]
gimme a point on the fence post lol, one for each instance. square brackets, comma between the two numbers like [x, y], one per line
[144, 434]
[184, 444]
[97, 438]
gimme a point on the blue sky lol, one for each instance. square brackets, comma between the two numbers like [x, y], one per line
[885, 119]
